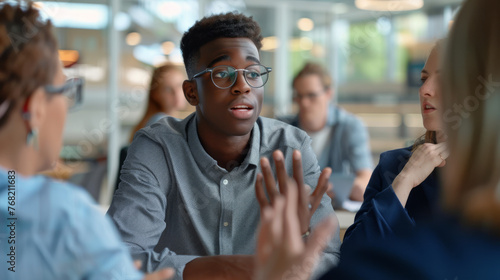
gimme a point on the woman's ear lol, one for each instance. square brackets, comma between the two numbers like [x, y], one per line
[36, 109]
[190, 92]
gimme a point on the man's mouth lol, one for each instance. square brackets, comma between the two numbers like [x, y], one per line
[242, 111]
[241, 107]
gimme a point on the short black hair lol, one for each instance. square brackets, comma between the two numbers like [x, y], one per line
[229, 25]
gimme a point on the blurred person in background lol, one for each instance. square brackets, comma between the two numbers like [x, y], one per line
[52, 229]
[165, 98]
[404, 188]
[339, 139]
[165, 95]
[464, 241]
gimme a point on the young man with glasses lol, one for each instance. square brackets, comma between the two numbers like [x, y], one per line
[187, 197]
[339, 139]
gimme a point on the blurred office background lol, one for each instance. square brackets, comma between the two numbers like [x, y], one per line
[375, 58]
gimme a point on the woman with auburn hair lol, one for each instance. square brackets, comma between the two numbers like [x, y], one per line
[166, 96]
[463, 242]
[52, 229]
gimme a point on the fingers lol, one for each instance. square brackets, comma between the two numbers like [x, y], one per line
[291, 223]
[320, 237]
[137, 264]
[279, 162]
[267, 173]
[260, 192]
[298, 175]
[264, 243]
[330, 191]
[320, 189]
[442, 151]
[162, 274]
[429, 153]
[277, 221]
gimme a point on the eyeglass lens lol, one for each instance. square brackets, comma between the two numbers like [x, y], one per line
[225, 76]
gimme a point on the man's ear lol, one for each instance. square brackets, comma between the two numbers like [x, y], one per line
[190, 92]
[330, 93]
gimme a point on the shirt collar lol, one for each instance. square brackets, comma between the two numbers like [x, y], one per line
[204, 160]
[333, 115]
[253, 155]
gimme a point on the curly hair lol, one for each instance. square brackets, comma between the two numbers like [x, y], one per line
[28, 54]
[315, 69]
[229, 25]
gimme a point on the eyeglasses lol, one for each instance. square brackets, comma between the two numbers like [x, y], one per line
[224, 76]
[309, 96]
[72, 90]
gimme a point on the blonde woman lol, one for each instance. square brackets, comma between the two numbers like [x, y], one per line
[463, 243]
[404, 188]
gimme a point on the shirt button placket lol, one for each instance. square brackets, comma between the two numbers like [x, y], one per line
[226, 194]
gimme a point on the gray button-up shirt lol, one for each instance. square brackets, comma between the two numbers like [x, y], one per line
[175, 203]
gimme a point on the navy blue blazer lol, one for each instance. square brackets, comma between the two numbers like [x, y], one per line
[443, 249]
[381, 214]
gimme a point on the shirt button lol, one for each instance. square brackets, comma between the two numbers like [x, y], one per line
[226, 224]
[225, 181]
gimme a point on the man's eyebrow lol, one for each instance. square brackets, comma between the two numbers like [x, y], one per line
[220, 58]
[424, 71]
[253, 58]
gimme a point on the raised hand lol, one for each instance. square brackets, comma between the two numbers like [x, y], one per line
[281, 252]
[307, 202]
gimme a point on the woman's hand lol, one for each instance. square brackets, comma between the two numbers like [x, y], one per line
[420, 165]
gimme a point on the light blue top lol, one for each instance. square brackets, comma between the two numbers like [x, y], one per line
[56, 231]
[175, 203]
[348, 148]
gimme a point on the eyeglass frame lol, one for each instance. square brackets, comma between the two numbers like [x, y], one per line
[268, 69]
[71, 82]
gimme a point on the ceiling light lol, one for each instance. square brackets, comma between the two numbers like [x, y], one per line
[305, 24]
[389, 5]
[270, 43]
[133, 38]
[167, 47]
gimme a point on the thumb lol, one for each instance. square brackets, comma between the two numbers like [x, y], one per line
[162, 274]
[137, 264]
[320, 237]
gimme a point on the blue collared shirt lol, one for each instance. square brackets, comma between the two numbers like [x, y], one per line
[348, 150]
[57, 232]
[175, 203]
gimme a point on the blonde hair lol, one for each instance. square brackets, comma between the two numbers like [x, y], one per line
[471, 83]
